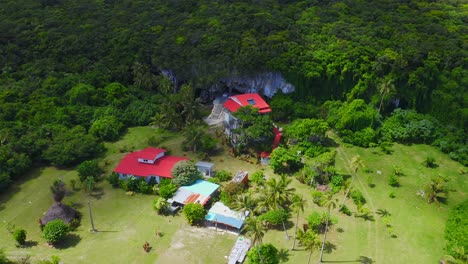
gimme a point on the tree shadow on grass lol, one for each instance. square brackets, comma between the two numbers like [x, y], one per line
[97, 193]
[70, 241]
[283, 255]
[30, 243]
[365, 260]
[366, 217]
[329, 247]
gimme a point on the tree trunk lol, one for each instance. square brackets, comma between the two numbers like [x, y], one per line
[259, 255]
[295, 231]
[310, 255]
[347, 191]
[381, 101]
[324, 237]
[286, 231]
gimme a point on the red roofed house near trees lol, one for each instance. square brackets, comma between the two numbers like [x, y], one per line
[233, 103]
[147, 163]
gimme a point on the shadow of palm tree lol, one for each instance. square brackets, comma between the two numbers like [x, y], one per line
[329, 247]
[97, 193]
[283, 255]
[365, 260]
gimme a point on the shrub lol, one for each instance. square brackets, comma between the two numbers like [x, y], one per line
[129, 184]
[358, 197]
[144, 187]
[113, 179]
[223, 175]
[214, 180]
[345, 210]
[167, 189]
[317, 222]
[194, 213]
[185, 173]
[337, 180]
[20, 236]
[233, 188]
[456, 229]
[257, 178]
[274, 217]
[284, 160]
[89, 184]
[393, 180]
[55, 231]
[89, 168]
[3, 257]
[430, 162]
[318, 197]
[391, 194]
[268, 253]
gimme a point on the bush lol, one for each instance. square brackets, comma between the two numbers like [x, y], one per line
[223, 175]
[113, 179]
[318, 197]
[194, 213]
[268, 253]
[233, 188]
[257, 178]
[167, 189]
[129, 184]
[3, 257]
[89, 184]
[144, 187]
[430, 162]
[55, 231]
[185, 173]
[284, 160]
[456, 229]
[337, 180]
[89, 168]
[274, 217]
[393, 180]
[20, 236]
[391, 194]
[317, 222]
[358, 197]
[345, 210]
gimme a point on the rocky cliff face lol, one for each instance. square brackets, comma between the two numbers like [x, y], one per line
[267, 83]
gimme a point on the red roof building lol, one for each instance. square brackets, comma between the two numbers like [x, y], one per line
[237, 101]
[146, 163]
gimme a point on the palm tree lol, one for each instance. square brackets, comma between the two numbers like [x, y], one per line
[58, 191]
[435, 190]
[310, 241]
[244, 203]
[356, 163]
[298, 203]
[278, 194]
[160, 205]
[193, 137]
[385, 87]
[256, 230]
[330, 204]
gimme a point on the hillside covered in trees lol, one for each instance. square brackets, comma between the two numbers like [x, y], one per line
[75, 73]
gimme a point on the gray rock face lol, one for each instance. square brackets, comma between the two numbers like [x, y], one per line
[267, 83]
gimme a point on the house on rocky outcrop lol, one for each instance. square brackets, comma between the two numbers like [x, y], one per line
[233, 103]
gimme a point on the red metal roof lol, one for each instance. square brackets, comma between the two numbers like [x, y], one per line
[277, 139]
[162, 167]
[235, 102]
[150, 153]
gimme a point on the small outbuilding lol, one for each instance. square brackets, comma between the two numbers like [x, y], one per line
[221, 214]
[206, 168]
[241, 176]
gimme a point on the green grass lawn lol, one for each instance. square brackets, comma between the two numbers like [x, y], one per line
[126, 222]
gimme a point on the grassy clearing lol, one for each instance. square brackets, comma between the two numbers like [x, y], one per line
[126, 222]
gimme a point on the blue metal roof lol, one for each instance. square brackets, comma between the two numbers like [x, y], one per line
[230, 221]
[202, 187]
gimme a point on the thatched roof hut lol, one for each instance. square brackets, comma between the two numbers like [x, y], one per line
[59, 211]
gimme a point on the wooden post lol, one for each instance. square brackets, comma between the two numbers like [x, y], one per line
[91, 217]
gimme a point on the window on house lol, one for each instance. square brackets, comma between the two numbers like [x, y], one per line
[251, 101]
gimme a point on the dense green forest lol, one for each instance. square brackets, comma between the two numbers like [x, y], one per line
[75, 73]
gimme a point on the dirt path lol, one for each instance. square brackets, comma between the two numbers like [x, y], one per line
[347, 160]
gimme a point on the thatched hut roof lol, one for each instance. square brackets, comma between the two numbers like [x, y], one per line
[59, 211]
